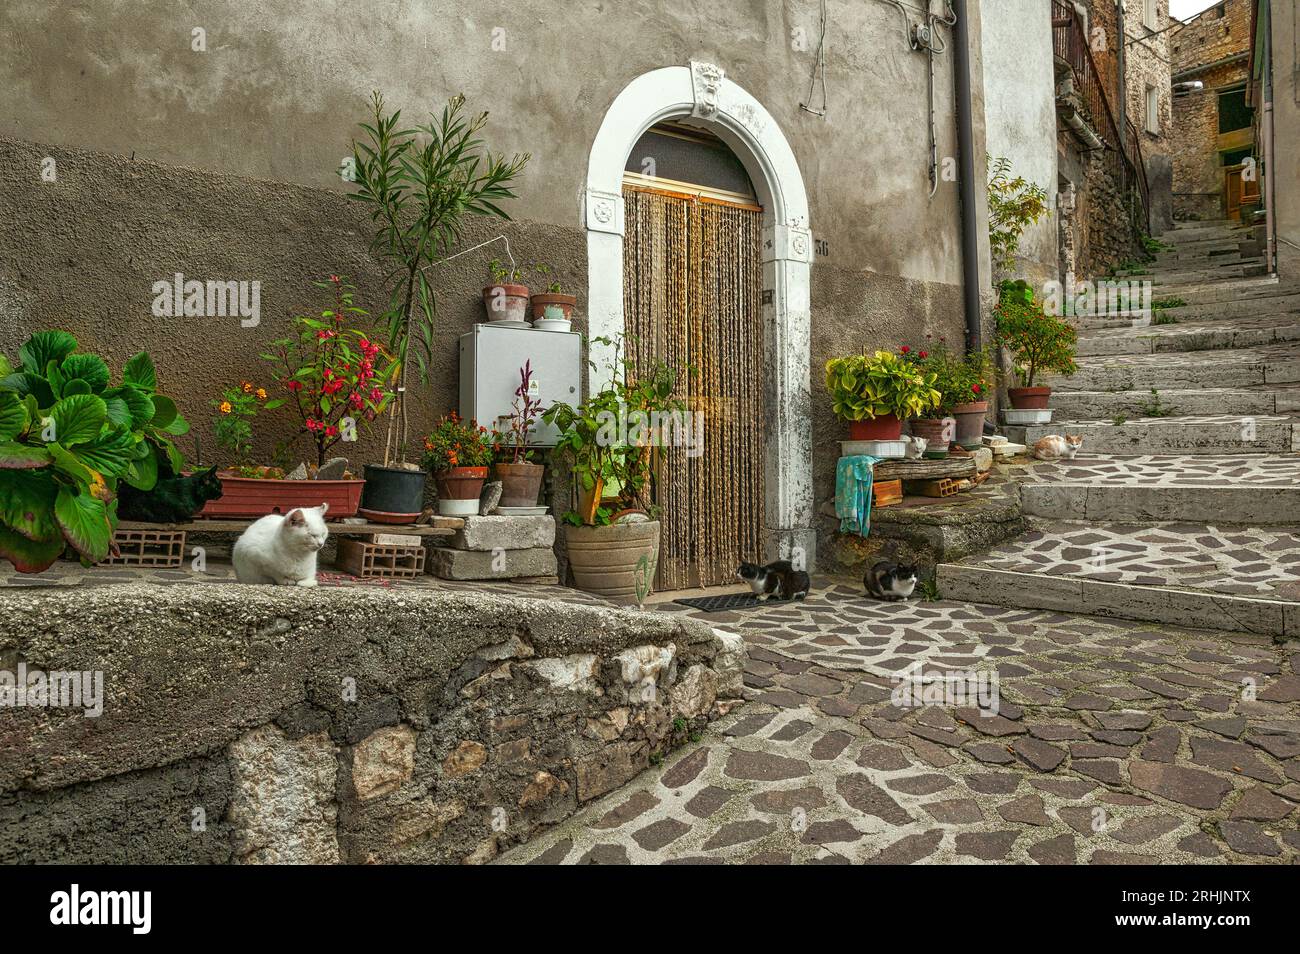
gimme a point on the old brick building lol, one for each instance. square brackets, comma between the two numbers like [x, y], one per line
[1148, 100]
[1214, 141]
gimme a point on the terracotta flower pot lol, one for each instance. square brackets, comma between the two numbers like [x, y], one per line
[887, 427]
[938, 432]
[520, 484]
[614, 561]
[506, 302]
[256, 497]
[566, 304]
[1029, 399]
[970, 423]
[459, 489]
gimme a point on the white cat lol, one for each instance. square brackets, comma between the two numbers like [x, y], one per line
[1056, 447]
[282, 549]
[915, 448]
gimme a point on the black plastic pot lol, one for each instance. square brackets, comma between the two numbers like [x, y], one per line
[393, 489]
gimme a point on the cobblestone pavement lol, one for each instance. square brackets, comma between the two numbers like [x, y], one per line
[1232, 559]
[1114, 742]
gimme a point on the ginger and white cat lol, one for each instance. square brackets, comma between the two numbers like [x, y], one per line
[1056, 447]
[281, 550]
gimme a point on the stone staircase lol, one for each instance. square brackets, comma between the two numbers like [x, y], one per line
[1183, 506]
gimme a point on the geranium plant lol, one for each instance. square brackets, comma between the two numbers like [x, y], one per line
[232, 425]
[959, 379]
[867, 386]
[336, 375]
[67, 437]
[1038, 342]
[455, 442]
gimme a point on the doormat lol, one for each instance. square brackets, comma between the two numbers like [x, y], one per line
[720, 604]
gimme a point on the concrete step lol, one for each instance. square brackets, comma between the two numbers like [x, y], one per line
[1206, 434]
[1255, 490]
[1282, 305]
[1106, 405]
[1200, 232]
[1240, 579]
[1236, 289]
[1244, 269]
[1275, 364]
[1234, 333]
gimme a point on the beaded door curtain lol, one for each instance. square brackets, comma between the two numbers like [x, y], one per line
[692, 298]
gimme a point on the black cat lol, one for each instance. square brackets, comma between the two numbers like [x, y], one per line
[779, 579]
[172, 500]
[890, 581]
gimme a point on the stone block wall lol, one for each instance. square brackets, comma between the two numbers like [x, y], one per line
[259, 725]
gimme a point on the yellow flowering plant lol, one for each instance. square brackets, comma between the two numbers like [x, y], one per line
[232, 425]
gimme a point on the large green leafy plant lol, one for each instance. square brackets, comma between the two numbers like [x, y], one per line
[864, 387]
[1038, 342]
[67, 436]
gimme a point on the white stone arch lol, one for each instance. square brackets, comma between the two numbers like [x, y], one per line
[702, 93]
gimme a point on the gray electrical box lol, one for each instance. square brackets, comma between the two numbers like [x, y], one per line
[490, 359]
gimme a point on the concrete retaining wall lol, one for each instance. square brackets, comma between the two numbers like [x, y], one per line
[254, 725]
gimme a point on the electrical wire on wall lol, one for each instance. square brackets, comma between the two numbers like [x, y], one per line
[819, 69]
[925, 35]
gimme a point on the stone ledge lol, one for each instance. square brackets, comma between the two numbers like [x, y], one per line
[505, 533]
[348, 724]
[500, 564]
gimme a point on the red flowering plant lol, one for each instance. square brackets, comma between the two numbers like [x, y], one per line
[336, 374]
[456, 443]
[959, 379]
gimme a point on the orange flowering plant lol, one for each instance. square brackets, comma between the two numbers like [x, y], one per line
[337, 375]
[457, 443]
[232, 425]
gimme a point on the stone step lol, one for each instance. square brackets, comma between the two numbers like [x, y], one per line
[1246, 269]
[1155, 604]
[1191, 336]
[1236, 289]
[1241, 579]
[1106, 405]
[1255, 490]
[1207, 434]
[1199, 232]
[1288, 305]
[1276, 364]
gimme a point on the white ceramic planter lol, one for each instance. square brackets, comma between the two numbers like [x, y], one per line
[458, 508]
[1022, 416]
[881, 449]
[552, 324]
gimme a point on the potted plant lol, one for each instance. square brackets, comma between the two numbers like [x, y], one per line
[1038, 343]
[552, 310]
[613, 440]
[875, 393]
[419, 185]
[334, 377]
[506, 299]
[68, 438]
[969, 386]
[521, 480]
[938, 427]
[458, 454]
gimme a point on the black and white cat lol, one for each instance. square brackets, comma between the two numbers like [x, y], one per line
[890, 581]
[779, 579]
[282, 550]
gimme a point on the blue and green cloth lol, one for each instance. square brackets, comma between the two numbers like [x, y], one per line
[853, 476]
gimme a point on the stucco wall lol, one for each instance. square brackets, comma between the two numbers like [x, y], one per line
[1020, 116]
[1286, 129]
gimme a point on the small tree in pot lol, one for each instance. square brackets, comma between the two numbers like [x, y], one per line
[614, 440]
[1038, 343]
[521, 480]
[419, 185]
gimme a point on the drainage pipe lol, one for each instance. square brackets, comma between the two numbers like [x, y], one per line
[966, 157]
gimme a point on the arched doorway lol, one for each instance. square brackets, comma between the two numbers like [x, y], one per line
[702, 95]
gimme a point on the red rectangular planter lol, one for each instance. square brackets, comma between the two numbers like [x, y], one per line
[257, 497]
